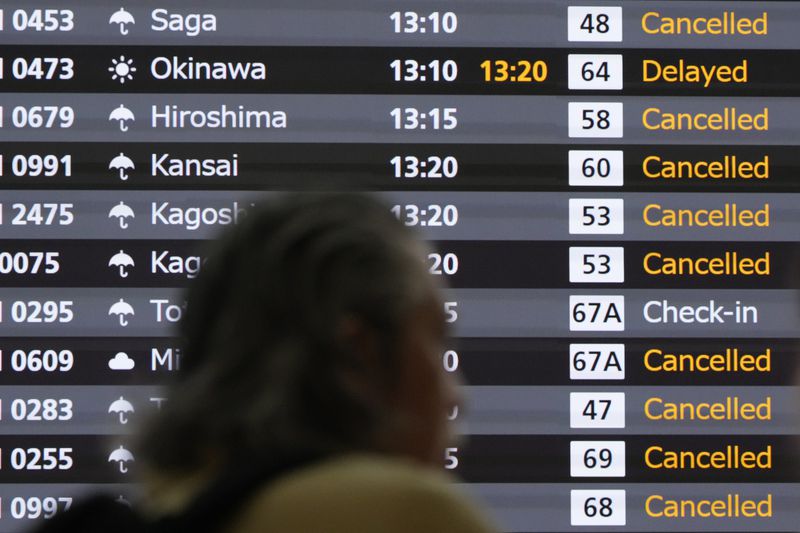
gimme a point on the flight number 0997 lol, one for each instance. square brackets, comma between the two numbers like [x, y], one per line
[34, 507]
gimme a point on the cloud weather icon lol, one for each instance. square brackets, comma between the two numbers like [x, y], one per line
[121, 361]
[122, 213]
[122, 18]
[121, 456]
[122, 114]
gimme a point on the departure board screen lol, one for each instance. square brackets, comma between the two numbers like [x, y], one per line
[611, 190]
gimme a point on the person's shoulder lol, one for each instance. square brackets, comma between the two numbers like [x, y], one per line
[364, 493]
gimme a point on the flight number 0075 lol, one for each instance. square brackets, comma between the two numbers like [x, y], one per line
[29, 262]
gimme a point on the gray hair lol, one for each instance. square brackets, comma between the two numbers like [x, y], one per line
[262, 338]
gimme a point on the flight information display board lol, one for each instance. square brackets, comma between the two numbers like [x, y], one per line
[611, 189]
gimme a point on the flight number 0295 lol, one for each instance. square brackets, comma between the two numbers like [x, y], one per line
[40, 312]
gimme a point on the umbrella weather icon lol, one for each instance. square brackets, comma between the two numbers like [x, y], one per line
[122, 407]
[122, 309]
[122, 261]
[121, 456]
[122, 212]
[122, 114]
[122, 18]
[122, 163]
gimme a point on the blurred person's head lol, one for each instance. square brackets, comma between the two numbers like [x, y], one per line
[313, 327]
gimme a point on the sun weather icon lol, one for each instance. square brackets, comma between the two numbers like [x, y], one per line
[122, 69]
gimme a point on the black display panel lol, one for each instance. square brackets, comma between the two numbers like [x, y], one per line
[611, 189]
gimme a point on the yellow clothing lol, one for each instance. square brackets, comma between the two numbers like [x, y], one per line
[360, 493]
